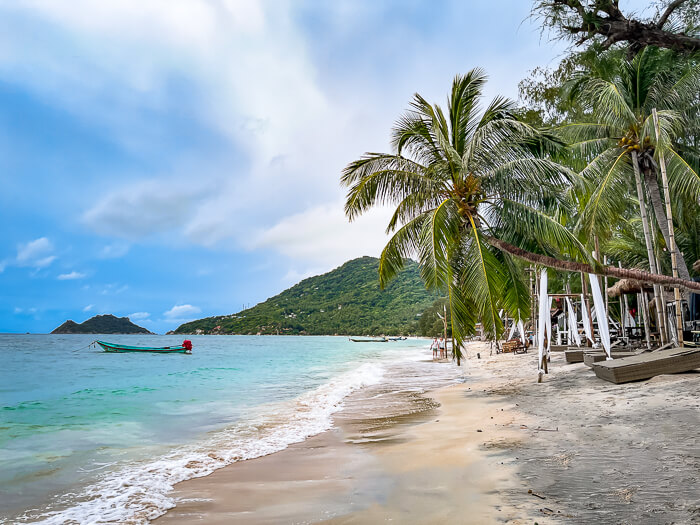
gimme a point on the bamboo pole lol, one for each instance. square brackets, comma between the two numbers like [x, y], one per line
[623, 312]
[671, 234]
[587, 306]
[644, 307]
[664, 330]
[444, 324]
[647, 234]
[598, 258]
[605, 289]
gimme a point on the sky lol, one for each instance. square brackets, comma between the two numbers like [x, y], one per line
[168, 160]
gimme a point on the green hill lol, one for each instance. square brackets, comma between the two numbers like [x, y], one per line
[345, 301]
[101, 324]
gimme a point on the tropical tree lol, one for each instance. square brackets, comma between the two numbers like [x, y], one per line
[674, 24]
[467, 184]
[619, 145]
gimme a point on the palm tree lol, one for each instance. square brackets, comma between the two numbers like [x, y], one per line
[467, 185]
[619, 143]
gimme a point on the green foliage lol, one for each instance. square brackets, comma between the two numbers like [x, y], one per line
[458, 178]
[431, 324]
[347, 300]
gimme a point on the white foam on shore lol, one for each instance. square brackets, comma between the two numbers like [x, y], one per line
[140, 492]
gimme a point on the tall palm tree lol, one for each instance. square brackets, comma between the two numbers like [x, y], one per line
[619, 143]
[466, 183]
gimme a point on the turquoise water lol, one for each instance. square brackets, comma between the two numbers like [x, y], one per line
[101, 437]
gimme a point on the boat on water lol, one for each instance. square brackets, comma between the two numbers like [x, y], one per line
[397, 338]
[369, 340]
[184, 348]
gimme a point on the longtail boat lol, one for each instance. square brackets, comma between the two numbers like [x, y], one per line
[184, 348]
[373, 340]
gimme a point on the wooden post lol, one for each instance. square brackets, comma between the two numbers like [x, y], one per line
[623, 307]
[587, 306]
[671, 235]
[644, 307]
[532, 300]
[444, 323]
[598, 257]
[605, 288]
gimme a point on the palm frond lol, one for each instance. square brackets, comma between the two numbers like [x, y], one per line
[609, 173]
[378, 178]
[683, 179]
[520, 222]
[483, 277]
[439, 236]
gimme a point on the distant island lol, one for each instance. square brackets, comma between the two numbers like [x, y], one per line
[101, 324]
[347, 300]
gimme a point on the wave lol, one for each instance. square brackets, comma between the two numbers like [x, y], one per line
[139, 492]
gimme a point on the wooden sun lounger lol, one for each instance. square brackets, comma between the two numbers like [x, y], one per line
[578, 355]
[594, 357]
[558, 348]
[648, 364]
[515, 346]
[574, 355]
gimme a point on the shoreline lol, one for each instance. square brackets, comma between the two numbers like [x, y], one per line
[592, 450]
[424, 465]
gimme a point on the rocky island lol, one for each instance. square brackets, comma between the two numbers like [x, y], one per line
[101, 324]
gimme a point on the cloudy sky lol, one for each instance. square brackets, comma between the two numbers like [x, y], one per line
[174, 159]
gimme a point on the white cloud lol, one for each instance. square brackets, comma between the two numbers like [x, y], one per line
[137, 316]
[181, 311]
[35, 254]
[141, 209]
[88, 308]
[18, 310]
[71, 276]
[114, 289]
[291, 115]
[323, 238]
[114, 251]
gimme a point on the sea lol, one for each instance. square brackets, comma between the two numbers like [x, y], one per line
[93, 437]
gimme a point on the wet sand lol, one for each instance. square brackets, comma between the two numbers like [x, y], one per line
[596, 452]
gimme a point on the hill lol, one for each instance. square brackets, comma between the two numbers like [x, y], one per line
[347, 301]
[101, 324]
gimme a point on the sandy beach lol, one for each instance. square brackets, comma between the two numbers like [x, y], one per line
[498, 448]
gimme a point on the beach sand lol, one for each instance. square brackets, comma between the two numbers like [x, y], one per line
[595, 452]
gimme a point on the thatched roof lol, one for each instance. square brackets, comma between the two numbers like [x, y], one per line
[624, 286]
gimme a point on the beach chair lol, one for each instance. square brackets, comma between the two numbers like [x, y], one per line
[648, 364]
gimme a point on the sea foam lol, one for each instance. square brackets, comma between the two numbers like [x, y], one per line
[141, 491]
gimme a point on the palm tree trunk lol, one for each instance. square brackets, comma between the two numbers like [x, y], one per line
[650, 246]
[657, 204]
[676, 259]
[574, 266]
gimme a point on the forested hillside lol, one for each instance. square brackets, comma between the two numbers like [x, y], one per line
[347, 300]
[101, 324]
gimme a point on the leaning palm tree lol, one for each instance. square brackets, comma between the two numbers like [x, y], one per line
[467, 183]
[619, 144]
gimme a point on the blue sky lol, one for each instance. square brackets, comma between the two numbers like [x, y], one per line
[169, 160]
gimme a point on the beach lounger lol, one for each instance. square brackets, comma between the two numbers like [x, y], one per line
[648, 364]
[574, 355]
[514, 345]
[594, 357]
[558, 348]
